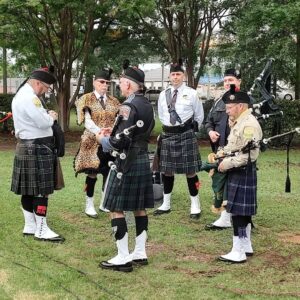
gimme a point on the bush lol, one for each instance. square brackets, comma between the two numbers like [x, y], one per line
[5, 106]
[5, 102]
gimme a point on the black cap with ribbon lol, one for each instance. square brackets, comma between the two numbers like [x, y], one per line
[233, 72]
[235, 96]
[133, 73]
[45, 74]
[104, 74]
[177, 67]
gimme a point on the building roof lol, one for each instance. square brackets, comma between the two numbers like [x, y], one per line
[156, 74]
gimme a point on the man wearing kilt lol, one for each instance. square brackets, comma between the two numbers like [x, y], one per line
[180, 111]
[241, 169]
[217, 127]
[35, 161]
[129, 186]
[96, 110]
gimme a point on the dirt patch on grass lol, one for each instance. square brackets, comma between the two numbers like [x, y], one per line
[3, 277]
[289, 237]
[274, 259]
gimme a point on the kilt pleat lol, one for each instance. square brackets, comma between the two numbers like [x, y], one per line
[33, 171]
[134, 191]
[179, 153]
[242, 188]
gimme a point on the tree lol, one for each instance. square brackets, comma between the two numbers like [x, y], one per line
[185, 29]
[61, 32]
[264, 29]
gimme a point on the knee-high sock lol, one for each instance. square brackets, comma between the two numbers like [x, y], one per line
[40, 206]
[27, 203]
[239, 225]
[90, 186]
[193, 184]
[119, 227]
[141, 224]
[168, 184]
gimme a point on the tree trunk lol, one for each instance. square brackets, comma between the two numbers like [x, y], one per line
[4, 71]
[297, 85]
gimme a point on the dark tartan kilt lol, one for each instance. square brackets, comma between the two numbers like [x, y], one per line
[134, 191]
[34, 169]
[242, 186]
[179, 153]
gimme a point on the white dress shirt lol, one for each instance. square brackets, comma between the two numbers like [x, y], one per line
[89, 124]
[187, 105]
[31, 119]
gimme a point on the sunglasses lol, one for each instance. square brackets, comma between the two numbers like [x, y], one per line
[103, 81]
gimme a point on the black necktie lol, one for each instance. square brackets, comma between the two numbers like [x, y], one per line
[173, 117]
[102, 102]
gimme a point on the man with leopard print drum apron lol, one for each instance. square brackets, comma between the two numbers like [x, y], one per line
[35, 160]
[129, 185]
[96, 110]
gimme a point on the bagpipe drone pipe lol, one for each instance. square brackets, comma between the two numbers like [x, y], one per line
[264, 107]
[270, 117]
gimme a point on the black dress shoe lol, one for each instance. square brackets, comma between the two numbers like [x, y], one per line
[249, 254]
[92, 216]
[214, 227]
[195, 216]
[220, 258]
[27, 234]
[140, 262]
[122, 268]
[161, 212]
[57, 239]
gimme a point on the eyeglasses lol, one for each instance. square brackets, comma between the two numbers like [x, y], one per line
[45, 85]
[103, 81]
[48, 87]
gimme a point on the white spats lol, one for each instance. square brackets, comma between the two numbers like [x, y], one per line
[30, 224]
[90, 208]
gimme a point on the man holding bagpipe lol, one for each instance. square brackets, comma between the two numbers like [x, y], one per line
[241, 169]
[217, 127]
[35, 163]
[96, 110]
[129, 185]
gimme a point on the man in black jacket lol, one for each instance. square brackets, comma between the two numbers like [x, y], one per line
[129, 185]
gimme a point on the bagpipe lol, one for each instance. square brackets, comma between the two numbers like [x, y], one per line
[215, 158]
[127, 154]
[266, 108]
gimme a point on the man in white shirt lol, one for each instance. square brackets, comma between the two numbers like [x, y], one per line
[35, 161]
[179, 109]
[96, 110]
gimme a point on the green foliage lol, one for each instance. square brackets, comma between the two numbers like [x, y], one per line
[260, 30]
[291, 113]
[5, 102]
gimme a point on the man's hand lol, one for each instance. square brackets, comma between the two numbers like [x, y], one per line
[214, 136]
[53, 114]
[104, 132]
[221, 168]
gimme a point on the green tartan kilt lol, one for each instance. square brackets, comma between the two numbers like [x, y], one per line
[34, 169]
[134, 191]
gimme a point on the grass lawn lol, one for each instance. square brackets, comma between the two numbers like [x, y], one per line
[182, 255]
